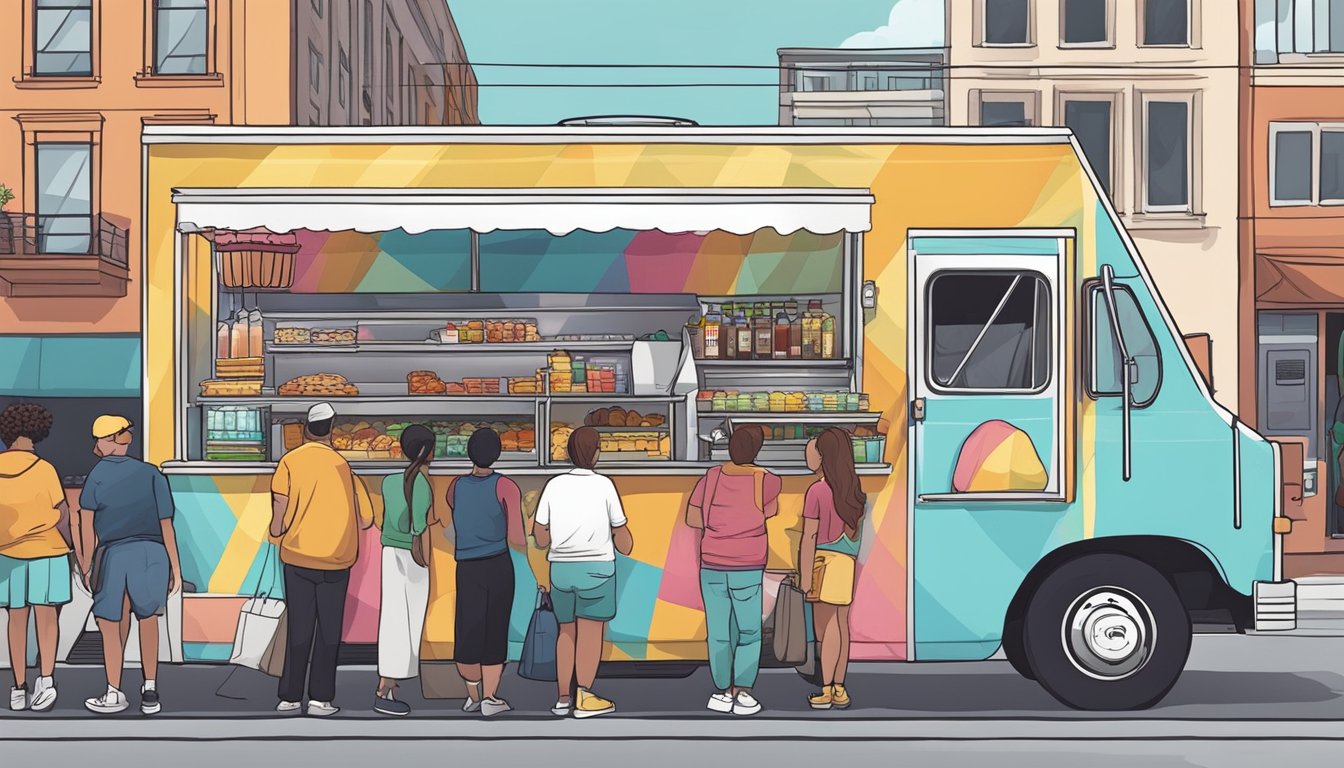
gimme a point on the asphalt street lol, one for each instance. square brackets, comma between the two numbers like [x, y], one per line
[1242, 701]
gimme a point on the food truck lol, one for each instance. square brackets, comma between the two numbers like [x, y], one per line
[1046, 470]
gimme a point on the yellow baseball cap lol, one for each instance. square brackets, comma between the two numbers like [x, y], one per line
[107, 426]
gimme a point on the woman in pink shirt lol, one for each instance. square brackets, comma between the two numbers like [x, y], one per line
[731, 504]
[833, 512]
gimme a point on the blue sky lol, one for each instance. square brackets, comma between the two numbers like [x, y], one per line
[665, 32]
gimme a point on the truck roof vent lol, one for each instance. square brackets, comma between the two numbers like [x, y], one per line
[644, 121]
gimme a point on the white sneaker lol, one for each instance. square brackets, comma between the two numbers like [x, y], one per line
[492, 707]
[322, 709]
[18, 698]
[746, 704]
[562, 708]
[288, 707]
[44, 694]
[472, 705]
[110, 703]
[720, 702]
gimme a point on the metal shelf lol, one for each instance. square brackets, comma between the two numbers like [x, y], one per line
[841, 363]
[520, 347]
[795, 417]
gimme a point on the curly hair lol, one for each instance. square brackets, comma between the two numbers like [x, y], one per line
[28, 420]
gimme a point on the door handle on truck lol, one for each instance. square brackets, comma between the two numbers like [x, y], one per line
[917, 409]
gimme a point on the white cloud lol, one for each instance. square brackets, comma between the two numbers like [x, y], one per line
[911, 24]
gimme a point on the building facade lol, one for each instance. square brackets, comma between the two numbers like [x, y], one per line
[1292, 257]
[83, 79]
[1151, 88]
[383, 62]
[842, 86]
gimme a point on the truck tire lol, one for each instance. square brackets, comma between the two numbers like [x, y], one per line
[1015, 647]
[1107, 632]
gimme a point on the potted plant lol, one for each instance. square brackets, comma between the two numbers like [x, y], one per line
[6, 228]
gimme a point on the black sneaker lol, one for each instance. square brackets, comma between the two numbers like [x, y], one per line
[149, 701]
[386, 706]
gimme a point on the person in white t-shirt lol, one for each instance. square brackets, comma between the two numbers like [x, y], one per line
[581, 521]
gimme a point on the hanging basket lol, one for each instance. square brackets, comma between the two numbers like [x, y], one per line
[260, 260]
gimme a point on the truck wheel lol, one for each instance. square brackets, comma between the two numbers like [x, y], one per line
[1015, 647]
[1107, 632]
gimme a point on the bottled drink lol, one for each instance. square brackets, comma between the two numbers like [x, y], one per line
[812, 331]
[828, 350]
[695, 329]
[763, 332]
[223, 343]
[728, 334]
[781, 351]
[742, 328]
[795, 330]
[712, 327]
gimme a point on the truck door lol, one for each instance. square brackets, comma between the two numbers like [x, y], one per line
[991, 465]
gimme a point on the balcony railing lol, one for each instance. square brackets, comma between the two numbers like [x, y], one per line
[56, 236]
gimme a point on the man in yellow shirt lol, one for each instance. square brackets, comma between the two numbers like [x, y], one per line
[318, 508]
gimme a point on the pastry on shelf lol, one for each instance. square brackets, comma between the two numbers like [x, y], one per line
[231, 388]
[292, 336]
[318, 384]
[332, 336]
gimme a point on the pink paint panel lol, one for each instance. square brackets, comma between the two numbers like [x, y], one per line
[681, 570]
[658, 262]
[366, 584]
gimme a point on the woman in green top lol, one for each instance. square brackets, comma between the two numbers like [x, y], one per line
[401, 616]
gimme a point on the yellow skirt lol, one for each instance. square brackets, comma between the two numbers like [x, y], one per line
[832, 578]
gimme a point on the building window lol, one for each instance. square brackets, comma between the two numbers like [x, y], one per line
[342, 76]
[314, 70]
[64, 197]
[1307, 26]
[1007, 22]
[1167, 165]
[389, 68]
[1092, 120]
[823, 80]
[1085, 22]
[1166, 23]
[1004, 109]
[366, 75]
[63, 38]
[181, 32]
[1306, 164]
[990, 332]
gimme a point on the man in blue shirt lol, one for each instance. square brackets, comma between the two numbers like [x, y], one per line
[126, 524]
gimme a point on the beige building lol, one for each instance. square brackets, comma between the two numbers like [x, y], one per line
[1151, 89]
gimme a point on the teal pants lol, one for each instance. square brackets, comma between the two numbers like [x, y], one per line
[733, 619]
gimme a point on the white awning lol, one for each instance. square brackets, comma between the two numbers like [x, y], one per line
[559, 211]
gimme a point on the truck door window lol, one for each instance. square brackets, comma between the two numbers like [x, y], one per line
[990, 332]
[1104, 379]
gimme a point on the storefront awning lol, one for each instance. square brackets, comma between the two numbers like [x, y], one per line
[558, 211]
[1312, 278]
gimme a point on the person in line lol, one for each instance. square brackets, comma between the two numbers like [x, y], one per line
[730, 504]
[34, 553]
[130, 558]
[487, 520]
[581, 522]
[833, 511]
[318, 508]
[407, 504]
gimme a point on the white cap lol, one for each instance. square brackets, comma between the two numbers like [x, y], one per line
[321, 412]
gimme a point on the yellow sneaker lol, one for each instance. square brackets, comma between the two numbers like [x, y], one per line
[823, 700]
[589, 704]
[839, 696]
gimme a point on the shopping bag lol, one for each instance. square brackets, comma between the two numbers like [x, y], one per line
[258, 624]
[790, 640]
[273, 661]
[538, 661]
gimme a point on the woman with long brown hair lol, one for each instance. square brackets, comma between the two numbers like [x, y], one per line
[407, 501]
[833, 512]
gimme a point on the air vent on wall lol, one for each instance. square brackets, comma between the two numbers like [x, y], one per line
[1290, 372]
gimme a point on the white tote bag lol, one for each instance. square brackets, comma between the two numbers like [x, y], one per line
[257, 623]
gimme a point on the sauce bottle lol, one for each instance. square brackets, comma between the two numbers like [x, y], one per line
[827, 336]
[764, 347]
[812, 331]
[781, 334]
[742, 328]
[712, 328]
[795, 330]
[728, 334]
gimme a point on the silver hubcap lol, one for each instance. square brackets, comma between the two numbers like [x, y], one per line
[1108, 633]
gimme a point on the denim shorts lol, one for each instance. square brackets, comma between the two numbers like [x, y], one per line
[135, 569]
[584, 590]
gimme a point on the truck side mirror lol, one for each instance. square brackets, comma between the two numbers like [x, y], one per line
[1201, 349]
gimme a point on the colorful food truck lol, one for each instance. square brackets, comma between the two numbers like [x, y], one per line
[1047, 472]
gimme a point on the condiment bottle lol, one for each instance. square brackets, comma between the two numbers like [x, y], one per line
[827, 336]
[742, 328]
[761, 330]
[238, 339]
[728, 333]
[781, 335]
[255, 325]
[795, 330]
[712, 329]
[222, 342]
[812, 331]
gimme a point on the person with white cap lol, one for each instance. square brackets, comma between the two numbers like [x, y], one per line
[318, 507]
[129, 557]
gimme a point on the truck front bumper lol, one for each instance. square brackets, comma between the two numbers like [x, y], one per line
[1275, 605]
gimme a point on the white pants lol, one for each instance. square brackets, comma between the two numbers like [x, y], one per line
[401, 615]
